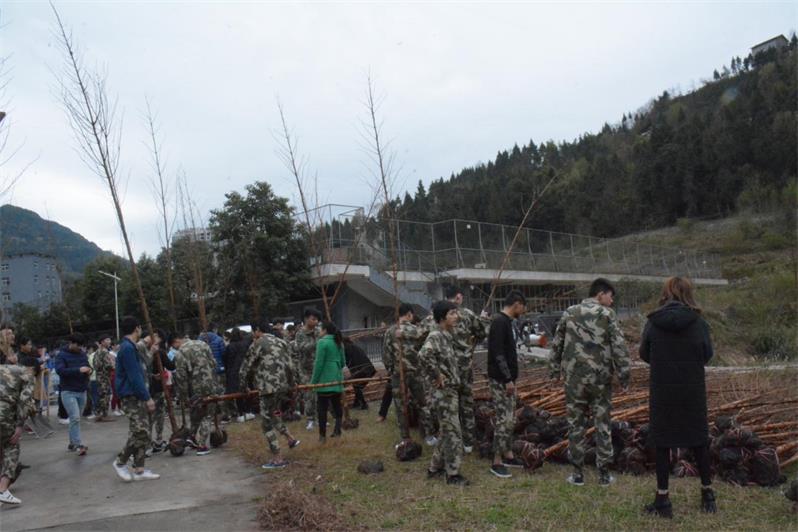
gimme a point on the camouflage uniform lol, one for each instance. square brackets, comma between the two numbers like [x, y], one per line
[504, 405]
[103, 368]
[588, 347]
[269, 367]
[139, 432]
[195, 368]
[438, 358]
[470, 330]
[304, 347]
[414, 383]
[16, 405]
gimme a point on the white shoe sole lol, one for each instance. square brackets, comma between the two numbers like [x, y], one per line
[500, 475]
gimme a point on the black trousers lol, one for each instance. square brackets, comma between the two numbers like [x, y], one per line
[387, 399]
[323, 404]
[664, 465]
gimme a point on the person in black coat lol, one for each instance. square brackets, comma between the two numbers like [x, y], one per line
[360, 367]
[677, 345]
[233, 357]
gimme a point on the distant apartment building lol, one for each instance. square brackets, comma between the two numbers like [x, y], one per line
[196, 234]
[778, 42]
[31, 279]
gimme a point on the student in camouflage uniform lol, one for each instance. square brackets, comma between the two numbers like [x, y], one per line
[304, 347]
[407, 336]
[195, 370]
[470, 330]
[587, 349]
[268, 367]
[131, 382]
[16, 405]
[103, 368]
[439, 363]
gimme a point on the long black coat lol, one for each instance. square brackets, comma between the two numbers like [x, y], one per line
[677, 345]
[233, 357]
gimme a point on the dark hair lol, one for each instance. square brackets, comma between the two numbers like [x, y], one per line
[404, 308]
[103, 337]
[161, 334]
[263, 326]
[235, 335]
[451, 291]
[441, 309]
[75, 338]
[515, 296]
[282, 322]
[600, 285]
[128, 325]
[172, 338]
[212, 327]
[5, 326]
[291, 327]
[330, 328]
[22, 340]
[310, 311]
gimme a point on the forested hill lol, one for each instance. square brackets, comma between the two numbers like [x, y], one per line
[730, 143]
[24, 231]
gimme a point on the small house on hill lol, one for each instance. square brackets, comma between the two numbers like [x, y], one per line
[778, 42]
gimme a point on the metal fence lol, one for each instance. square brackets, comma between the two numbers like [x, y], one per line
[441, 246]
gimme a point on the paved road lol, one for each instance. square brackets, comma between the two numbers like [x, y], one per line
[62, 491]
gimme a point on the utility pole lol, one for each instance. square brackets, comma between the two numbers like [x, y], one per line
[116, 300]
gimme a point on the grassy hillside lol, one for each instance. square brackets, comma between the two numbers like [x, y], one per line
[755, 318]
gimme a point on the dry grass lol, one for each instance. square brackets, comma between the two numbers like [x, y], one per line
[402, 497]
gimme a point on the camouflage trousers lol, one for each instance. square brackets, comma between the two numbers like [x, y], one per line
[138, 436]
[103, 396]
[271, 420]
[466, 403]
[582, 400]
[504, 405]
[157, 417]
[10, 458]
[201, 419]
[416, 399]
[448, 453]
[308, 396]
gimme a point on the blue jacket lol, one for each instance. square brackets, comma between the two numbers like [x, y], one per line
[217, 346]
[67, 365]
[131, 372]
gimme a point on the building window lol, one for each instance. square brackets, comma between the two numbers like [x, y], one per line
[6, 281]
[4, 267]
[35, 278]
[6, 298]
[36, 264]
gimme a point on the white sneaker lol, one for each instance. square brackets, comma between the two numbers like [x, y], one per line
[241, 419]
[118, 413]
[123, 472]
[146, 475]
[7, 498]
[63, 421]
[467, 449]
[249, 417]
[90, 417]
[432, 441]
[309, 426]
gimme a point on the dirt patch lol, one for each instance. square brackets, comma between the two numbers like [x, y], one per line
[290, 505]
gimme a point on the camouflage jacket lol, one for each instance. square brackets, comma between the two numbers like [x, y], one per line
[195, 369]
[588, 346]
[304, 346]
[438, 358]
[16, 396]
[469, 326]
[412, 336]
[103, 365]
[268, 366]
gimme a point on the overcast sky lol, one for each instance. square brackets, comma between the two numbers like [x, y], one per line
[460, 81]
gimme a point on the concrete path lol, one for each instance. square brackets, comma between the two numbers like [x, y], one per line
[63, 491]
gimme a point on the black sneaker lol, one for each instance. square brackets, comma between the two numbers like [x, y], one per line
[661, 508]
[71, 448]
[437, 473]
[500, 471]
[512, 462]
[576, 478]
[708, 505]
[457, 480]
[605, 479]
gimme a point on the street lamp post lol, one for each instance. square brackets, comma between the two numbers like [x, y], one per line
[116, 300]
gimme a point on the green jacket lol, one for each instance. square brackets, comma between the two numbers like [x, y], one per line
[328, 366]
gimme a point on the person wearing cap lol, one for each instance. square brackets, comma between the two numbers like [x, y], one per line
[72, 366]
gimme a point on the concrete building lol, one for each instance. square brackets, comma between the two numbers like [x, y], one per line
[552, 269]
[198, 234]
[31, 279]
[778, 42]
